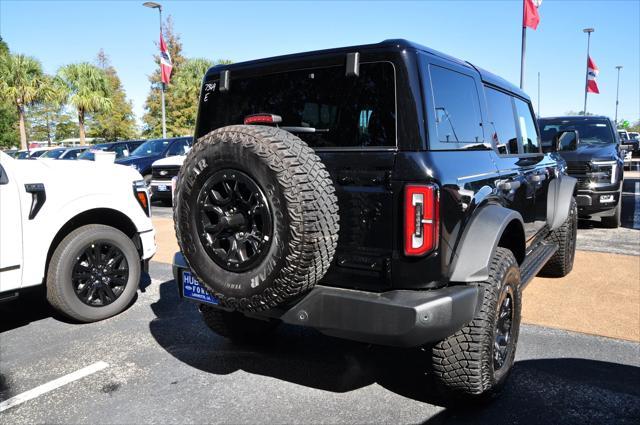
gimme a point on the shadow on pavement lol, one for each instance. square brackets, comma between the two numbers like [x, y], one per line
[539, 391]
[559, 390]
[31, 306]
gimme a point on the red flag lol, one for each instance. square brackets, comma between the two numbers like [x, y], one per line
[592, 73]
[531, 18]
[165, 61]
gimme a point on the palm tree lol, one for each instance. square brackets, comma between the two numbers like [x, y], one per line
[23, 83]
[88, 90]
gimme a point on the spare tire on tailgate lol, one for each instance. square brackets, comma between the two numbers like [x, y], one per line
[256, 216]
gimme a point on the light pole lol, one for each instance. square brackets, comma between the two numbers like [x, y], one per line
[586, 77]
[619, 67]
[154, 5]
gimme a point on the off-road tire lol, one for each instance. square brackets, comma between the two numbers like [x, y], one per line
[613, 221]
[60, 292]
[463, 363]
[303, 207]
[236, 326]
[561, 263]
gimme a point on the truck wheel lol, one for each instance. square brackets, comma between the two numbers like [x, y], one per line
[474, 362]
[93, 273]
[613, 221]
[236, 326]
[565, 237]
[256, 216]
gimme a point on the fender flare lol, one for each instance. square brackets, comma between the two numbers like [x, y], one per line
[559, 195]
[479, 242]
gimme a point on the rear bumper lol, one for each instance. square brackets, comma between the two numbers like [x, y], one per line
[400, 318]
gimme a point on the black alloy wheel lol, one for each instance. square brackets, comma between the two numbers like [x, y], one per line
[233, 220]
[100, 274]
[502, 329]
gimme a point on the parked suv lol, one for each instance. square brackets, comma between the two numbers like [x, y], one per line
[383, 193]
[64, 227]
[150, 151]
[597, 163]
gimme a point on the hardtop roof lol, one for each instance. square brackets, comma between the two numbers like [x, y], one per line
[395, 44]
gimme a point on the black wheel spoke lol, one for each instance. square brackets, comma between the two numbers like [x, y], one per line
[109, 292]
[207, 207]
[242, 252]
[214, 229]
[217, 198]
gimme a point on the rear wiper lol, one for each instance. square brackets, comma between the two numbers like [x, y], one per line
[294, 129]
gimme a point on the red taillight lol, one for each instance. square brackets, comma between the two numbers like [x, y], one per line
[262, 119]
[421, 219]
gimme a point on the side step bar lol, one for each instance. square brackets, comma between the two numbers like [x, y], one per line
[534, 262]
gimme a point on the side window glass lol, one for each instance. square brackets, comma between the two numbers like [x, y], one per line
[457, 107]
[178, 148]
[501, 116]
[121, 151]
[527, 127]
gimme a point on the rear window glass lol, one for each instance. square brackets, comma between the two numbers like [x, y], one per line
[322, 106]
[457, 107]
[505, 136]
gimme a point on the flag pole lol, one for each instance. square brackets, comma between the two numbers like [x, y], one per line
[524, 47]
[586, 76]
[164, 122]
[538, 94]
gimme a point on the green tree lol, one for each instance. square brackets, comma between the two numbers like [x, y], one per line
[4, 47]
[22, 82]
[88, 91]
[118, 122]
[9, 136]
[186, 90]
[44, 115]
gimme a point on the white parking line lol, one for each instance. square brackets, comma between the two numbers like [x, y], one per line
[52, 385]
[636, 211]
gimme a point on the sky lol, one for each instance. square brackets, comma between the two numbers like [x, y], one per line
[486, 33]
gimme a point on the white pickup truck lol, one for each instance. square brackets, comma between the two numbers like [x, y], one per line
[81, 228]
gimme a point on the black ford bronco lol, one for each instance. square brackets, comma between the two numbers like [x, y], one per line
[597, 163]
[383, 193]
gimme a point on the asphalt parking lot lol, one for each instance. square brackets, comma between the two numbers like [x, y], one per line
[165, 366]
[158, 363]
